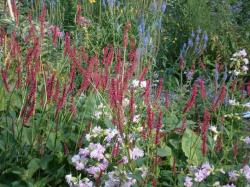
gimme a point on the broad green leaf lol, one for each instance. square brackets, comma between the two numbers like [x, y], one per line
[89, 106]
[191, 146]
[164, 151]
[33, 166]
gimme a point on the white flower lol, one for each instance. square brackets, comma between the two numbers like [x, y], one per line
[244, 68]
[125, 102]
[247, 140]
[246, 105]
[233, 102]
[125, 159]
[188, 182]
[68, 178]
[246, 61]
[236, 73]
[222, 171]
[143, 84]
[136, 118]
[217, 183]
[236, 54]
[136, 153]
[88, 137]
[243, 53]
[98, 114]
[111, 133]
[229, 185]
[246, 115]
[144, 171]
[97, 131]
[214, 129]
[100, 106]
[135, 83]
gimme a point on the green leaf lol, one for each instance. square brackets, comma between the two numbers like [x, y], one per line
[108, 123]
[89, 106]
[33, 166]
[164, 151]
[2, 99]
[191, 146]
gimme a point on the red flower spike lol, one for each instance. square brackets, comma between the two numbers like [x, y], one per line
[150, 119]
[57, 91]
[67, 44]
[78, 14]
[132, 106]
[202, 89]
[181, 63]
[218, 146]
[204, 129]
[146, 93]
[235, 150]
[73, 109]
[158, 128]
[125, 34]
[248, 88]
[220, 99]
[143, 73]
[191, 101]
[15, 11]
[167, 100]
[5, 79]
[118, 66]
[42, 19]
[61, 101]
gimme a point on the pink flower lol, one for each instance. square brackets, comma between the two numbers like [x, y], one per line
[97, 151]
[136, 153]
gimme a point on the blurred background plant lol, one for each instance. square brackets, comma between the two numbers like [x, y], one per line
[179, 40]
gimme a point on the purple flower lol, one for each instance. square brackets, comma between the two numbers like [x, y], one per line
[233, 175]
[229, 185]
[188, 182]
[75, 158]
[199, 30]
[94, 170]
[205, 37]
[193, 34]
[80, 166]
[146, 39]
[111, 3]
[84, 152]
[136, 153]
[247, 140]
[153, 7]
[85, 183]
[141, 27]
[203, 172]
[97, 151]
[103, 166]
[246, 172]
[190, 42]
[163, 6]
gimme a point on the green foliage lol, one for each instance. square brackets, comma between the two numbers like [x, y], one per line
[191, 146]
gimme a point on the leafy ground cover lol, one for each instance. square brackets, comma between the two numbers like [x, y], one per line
[124, 93]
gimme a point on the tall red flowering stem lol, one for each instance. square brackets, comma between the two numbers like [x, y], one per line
[204, 129]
